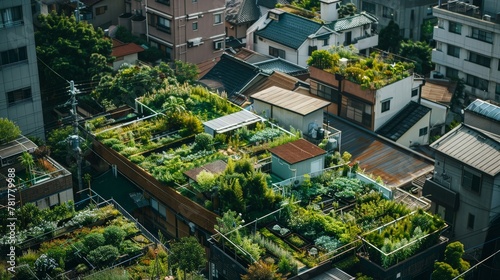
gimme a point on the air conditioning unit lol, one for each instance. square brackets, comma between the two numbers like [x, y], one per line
[194, 42]
[218, 45]
[487, 17]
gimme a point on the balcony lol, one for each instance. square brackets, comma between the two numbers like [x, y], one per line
[366, 41]
[478, 46]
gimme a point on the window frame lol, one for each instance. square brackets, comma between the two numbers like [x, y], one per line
[470, 221]
[455, 27]
[16, 17]
[482, 35]
[162, 27]
[423, 131]
[479, 59]
[19, 95]
[275, 52]
[414, 92]
[453, 50]
[217, 18]
[385, 105]
[195, 26]
[476, 82]
[164, 2]
[13, 56]
[326, 92]
[453, 70]
[98, 11]
[469, 178]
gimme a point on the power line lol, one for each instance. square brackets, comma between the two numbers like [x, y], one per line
[51, 69]
[476, 265]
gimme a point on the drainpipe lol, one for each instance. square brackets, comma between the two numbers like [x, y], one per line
[420, 91]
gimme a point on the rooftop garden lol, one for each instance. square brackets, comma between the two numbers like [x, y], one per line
[325, 217]
[169, 140]
[373, 72]
[63, 242]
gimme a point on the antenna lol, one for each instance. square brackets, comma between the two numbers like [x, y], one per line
[75, 139]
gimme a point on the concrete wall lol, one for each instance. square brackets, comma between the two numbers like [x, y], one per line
[481, 122]
[411, 137]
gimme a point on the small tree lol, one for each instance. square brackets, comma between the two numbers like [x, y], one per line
[262, 270]
[321, 59]
[26, 160]
[8, 130]
[389, 38]
[187, 255]
[206, 180]
[347, 10]
[453, 264]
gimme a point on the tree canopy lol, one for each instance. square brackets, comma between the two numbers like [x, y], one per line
[187, 255]
[75, 50]
[8, 130]
[347, 10]
[453, 264]
[420, 53]
[389, 38]
[262, 270]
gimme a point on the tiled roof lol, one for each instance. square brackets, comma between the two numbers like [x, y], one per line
[403, 121]
[278, 79]
[271, 3]
[352, 22]
[471, 146]
[215, 167]
[396, 165]
[231, 73]
[279, 64]
[297, 151]
[241, 11]
[438, 91]
[291, 101]
[122, 49]
[290, 30]
[485, 109]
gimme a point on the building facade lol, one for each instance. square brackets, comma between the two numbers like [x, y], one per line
[20, 99]
[409, 15]
[191, 31]
[467, 38]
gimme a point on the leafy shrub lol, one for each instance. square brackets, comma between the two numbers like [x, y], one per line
[203, 141]
[127, 247]
[114, 235]
[103, 255]
[93, 240]
[111, 141]
[44, 265]
[327, 243]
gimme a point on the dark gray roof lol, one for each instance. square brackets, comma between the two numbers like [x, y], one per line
[271, 3]
[290, 30]
[405, 119]
[334, 274]
[352, 22]
[232, 73]
[17, 147]
[484, 108]
[241, 11]
[471, 146]
[281, 65]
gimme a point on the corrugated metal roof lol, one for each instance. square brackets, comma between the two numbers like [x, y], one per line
[396, 165]
[352, 22]
[279, 64]
[297, 151]
[232, 121]
[405, 119]
[291, 101]
[484, 108]
[472, 147]
[17, 147]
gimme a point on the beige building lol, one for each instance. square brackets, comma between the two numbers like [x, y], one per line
[190, 31]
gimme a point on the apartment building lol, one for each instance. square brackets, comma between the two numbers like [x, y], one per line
[467, 38]
[20, 99]
[409, 15]
[190, 30]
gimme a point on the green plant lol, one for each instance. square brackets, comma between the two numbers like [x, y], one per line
[103, 255]
[8, 130]
[93, 241]
[113, 235]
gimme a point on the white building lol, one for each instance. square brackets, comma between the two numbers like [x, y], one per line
[20, 99]
[294, 37]
[467, 45]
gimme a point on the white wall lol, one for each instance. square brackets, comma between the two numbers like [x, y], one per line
[399, 93]
[438, 113]
[411, 137]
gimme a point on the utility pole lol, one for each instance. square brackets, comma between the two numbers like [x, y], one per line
[75, 139]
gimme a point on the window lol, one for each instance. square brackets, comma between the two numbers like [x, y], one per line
[497, 93]
[218, 45]
[162, 210]
[422, 131]
[13, 56]
[470, 221]
[439, 46]
[429, 10]
[195, 1]
[276, 52]
[163, 24]
[471, 180]
[386, 105]
[477, 82]
[455, 27]
[414, 92]
[357, 111]
[453, 51]
[154, 204]
[168, 52]
[100, 10]
[195, 26]
[482, 35]
[11, 17]
[387, 12]
[441, 23]
[217, 18]
[19, 95]
[164, 2]
[369, 7]
[326, 42]
[479, 59]
[451, 73]
[328, 93]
